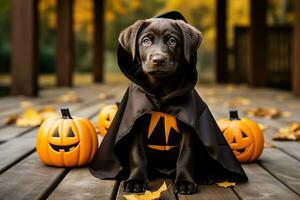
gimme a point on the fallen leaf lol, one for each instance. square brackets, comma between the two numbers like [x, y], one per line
[237, 101]
[29, 118]
[269, 145]
[263, 127]
[267, 113]
[26, 104]
[148, 195]
[226, 184]
[10, 119]
[70, 97]
[230, 88]
[102, 96]
[290, 133]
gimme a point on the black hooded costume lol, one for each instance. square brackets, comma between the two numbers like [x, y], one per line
[207, 150]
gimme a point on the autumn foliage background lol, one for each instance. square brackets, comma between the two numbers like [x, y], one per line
[121, 13]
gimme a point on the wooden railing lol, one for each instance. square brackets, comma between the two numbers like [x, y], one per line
[278, 56]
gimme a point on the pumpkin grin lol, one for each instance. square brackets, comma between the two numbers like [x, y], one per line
[64, 148]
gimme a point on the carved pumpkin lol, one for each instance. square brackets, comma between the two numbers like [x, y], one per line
[66, 141]
[244, 137]
[105, 117]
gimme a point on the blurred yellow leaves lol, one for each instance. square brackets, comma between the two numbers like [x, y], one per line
[31, 117]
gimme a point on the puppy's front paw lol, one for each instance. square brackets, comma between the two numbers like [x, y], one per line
[134, 186]
[185, 188]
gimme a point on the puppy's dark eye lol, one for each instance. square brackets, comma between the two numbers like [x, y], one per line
[172, 41]
[146, 41]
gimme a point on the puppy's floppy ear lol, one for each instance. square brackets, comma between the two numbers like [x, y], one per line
[192, 39]
[128, 37]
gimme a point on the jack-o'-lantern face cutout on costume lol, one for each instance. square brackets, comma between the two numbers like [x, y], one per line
[163, 133]
[66, 141]
[244, 137]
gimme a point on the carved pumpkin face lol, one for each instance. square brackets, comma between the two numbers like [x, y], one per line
[244, 137]
[66, 141]
[105, 117]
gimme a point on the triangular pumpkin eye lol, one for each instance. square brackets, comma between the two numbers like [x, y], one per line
[71, 133]
[244, 134]
[56, 134]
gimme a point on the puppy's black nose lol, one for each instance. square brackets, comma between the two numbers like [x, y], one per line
[158, 59]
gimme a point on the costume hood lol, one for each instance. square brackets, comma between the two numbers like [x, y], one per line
[131, 68]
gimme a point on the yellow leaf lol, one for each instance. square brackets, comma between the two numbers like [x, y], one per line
[226, 184]
[148, 195]
[10, 119]
[29, 118]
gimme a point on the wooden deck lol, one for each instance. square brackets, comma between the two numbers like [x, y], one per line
[22, 176]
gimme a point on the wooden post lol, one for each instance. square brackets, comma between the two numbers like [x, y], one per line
[64, 43]
[221, 43]
[257, 54]
[24, 47]
[296, 67]
[98, 56]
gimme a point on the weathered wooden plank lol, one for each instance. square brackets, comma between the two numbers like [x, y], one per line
[29, 179]
[64, 43]
[80, 184]
[283, 167]
[24, 47]
[262, 185]
[210, 192]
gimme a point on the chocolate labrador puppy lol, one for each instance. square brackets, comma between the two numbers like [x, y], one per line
[163, 47]
[162, 127]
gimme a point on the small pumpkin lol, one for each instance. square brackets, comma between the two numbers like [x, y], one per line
[105, 117]
[244, 137]
[66, 141]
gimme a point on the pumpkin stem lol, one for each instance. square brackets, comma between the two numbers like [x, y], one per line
[234, 115]
[65, 113]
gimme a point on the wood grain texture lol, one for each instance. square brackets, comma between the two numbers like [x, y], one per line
[210, 192]
[262, 185]
[28, 179]
[80, 184]
[283, 167]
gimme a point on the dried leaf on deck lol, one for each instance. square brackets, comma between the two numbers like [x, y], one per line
[10, 119]
[262, 127]
[70, 97]
[267, 113]
[269, 145]
[26, 104]
[237, 101]
[30, 117]
[290, 133]
[148, 195]
[226, 184]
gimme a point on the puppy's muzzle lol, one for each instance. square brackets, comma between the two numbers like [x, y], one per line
[158, 59]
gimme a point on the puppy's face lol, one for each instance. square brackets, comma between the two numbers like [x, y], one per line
[159, 46]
